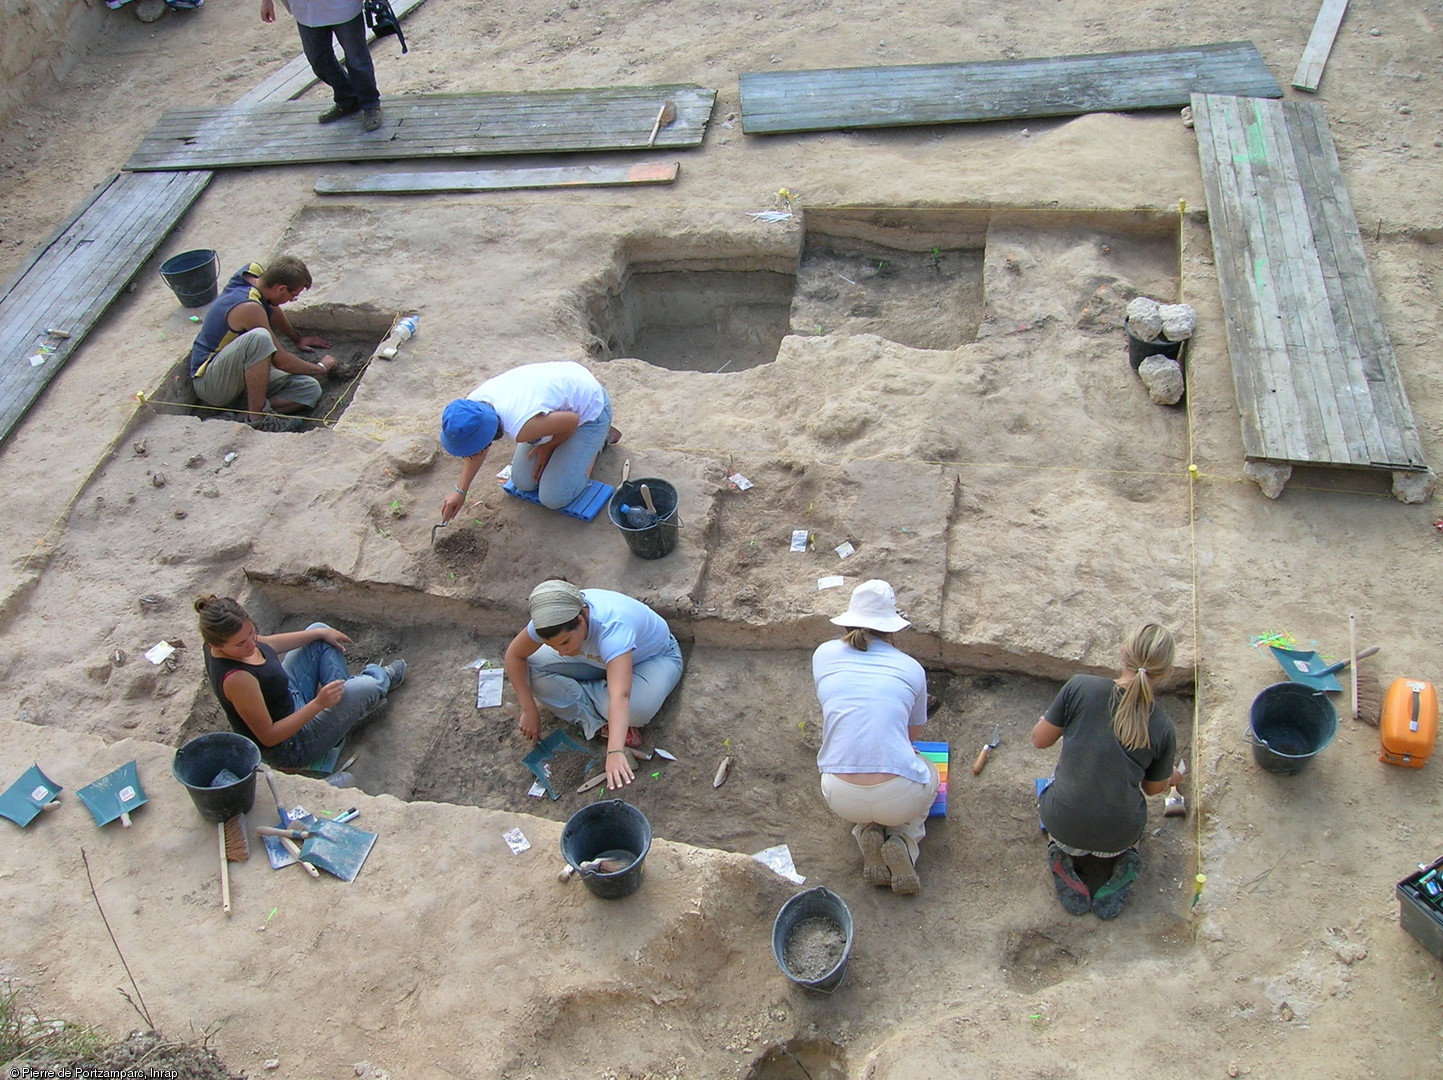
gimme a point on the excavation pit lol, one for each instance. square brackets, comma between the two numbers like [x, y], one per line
[354, 336]
[433, 744]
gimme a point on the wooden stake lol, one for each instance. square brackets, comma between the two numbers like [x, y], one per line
[224, 869]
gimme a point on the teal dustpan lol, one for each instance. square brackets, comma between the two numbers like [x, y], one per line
[1312, 670]
[337, 847]
[29, 795]
[114, 795]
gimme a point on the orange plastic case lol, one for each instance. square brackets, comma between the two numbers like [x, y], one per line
[1409, 726]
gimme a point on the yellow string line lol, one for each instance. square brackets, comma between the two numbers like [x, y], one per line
[1194, 770]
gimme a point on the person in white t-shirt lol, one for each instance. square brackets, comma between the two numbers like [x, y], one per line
[560, 417]
[598, 659]
[874, 704]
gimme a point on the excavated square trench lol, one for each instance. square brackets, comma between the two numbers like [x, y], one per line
[354, 335]
[912, 279]
[432, 743]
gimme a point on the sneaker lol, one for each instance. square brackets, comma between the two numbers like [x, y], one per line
[336, 112]
[396, 669]
[633, 738]
[275, 423]
[899, 861]
[1110, 898]
[371, 121]
[1072, 891]
[874, 867]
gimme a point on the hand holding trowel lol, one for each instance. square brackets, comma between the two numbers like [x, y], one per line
[986, 751]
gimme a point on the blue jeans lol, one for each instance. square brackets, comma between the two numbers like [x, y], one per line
[576, 691]
[309, 668]
[566, 474]
[354, 85]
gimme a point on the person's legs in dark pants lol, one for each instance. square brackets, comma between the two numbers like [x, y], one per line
[321, 55]
[359, 66]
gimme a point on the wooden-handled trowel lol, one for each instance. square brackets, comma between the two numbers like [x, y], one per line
[986, 750]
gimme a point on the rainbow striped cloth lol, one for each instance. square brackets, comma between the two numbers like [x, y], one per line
[937, 753]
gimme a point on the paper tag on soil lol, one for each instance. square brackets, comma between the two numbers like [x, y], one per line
[779, 858]
[157, 653]
[799, 539]
[738, 481]
[536, 790]
[845, 549]
[831, 581]
[516, 841]
[488, 688]
[504, 475]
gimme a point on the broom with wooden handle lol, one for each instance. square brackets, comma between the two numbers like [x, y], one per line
[1367, 688]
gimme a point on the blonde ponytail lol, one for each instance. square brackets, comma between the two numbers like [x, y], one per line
[1146, 655]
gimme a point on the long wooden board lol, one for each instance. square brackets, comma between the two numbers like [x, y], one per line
[1314, 370]
[70, 281]
[413, 183]
[429, 125]
[1320, 44]
[784, 101]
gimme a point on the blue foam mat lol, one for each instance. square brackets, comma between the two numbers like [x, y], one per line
[584, 507]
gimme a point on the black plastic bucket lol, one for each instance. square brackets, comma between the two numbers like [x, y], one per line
[608, 830]
[1288, 724]
[200, 761]
[192, 276]
[656, 539]
[1139, 350]
[818, 903]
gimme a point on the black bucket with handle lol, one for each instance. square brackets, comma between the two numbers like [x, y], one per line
[222, 756]
[812, 939]
[192, 276]
[1289, 723]
[613, 831]
[650, 536]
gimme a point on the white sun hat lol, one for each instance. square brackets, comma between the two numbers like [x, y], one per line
[873, 607]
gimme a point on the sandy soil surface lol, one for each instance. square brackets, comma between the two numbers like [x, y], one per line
[927, 361]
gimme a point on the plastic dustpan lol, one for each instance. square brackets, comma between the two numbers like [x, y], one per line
[536, 760]
[1308, 668]
[29, 795]
[114, 795]
[337, 847]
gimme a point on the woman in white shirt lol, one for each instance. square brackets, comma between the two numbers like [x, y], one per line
[874, 703]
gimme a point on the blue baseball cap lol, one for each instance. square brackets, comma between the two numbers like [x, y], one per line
[468, 427]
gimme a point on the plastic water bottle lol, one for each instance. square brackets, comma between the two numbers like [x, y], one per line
[637, 517]
[400, 333]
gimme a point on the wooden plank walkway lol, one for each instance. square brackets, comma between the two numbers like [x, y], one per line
[1320, 44]
[414, 183]
[72, 278]
[784, 101]
[427, 125]
[1315, 373]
